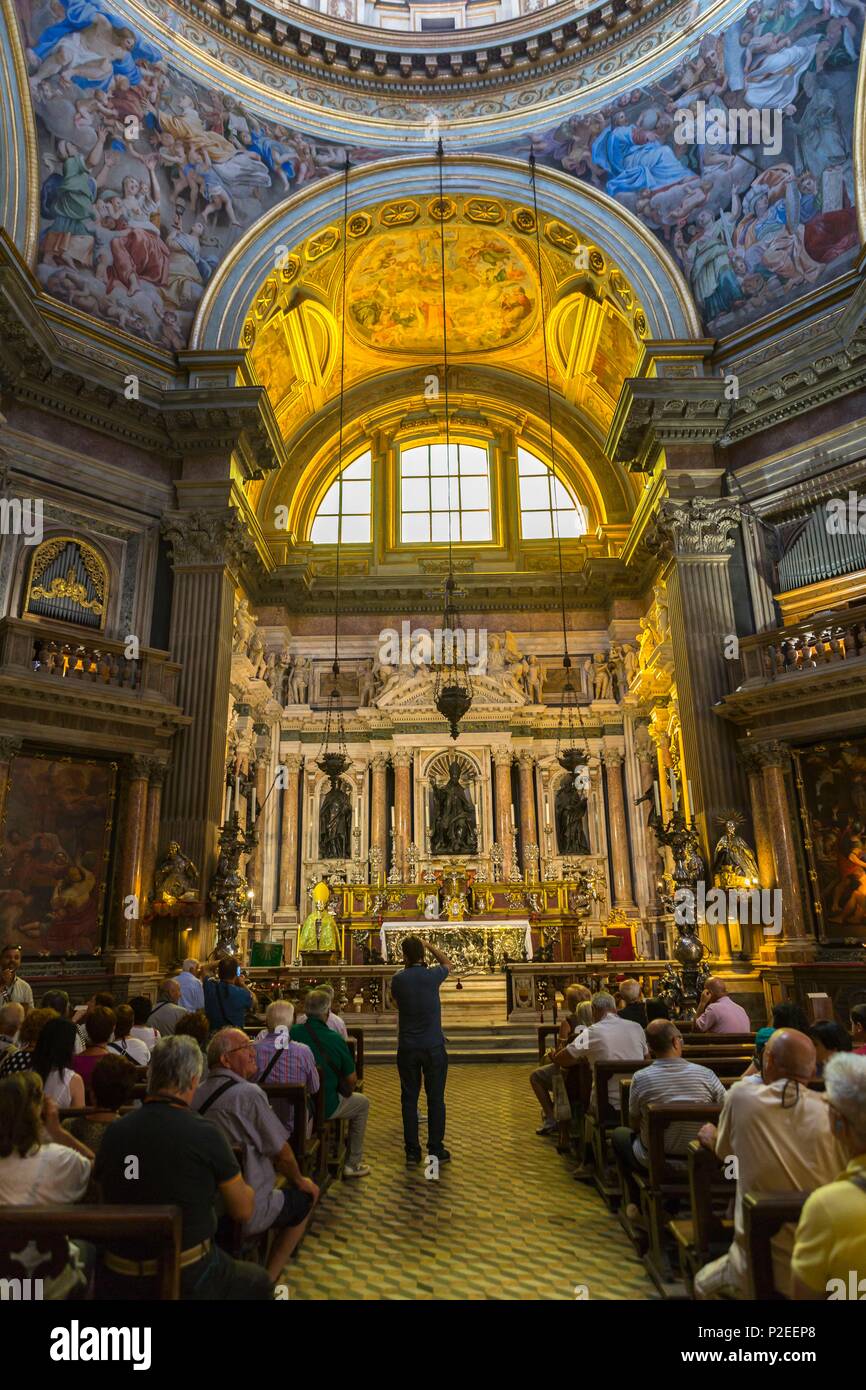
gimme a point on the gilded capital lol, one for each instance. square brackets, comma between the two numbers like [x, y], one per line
[613, 758]
[137, 767]
[157, 770]
[503, 757]
[773, 753]
[208, 538]
[379, 762]
[697, 528]
[526, 760]
[402, 757]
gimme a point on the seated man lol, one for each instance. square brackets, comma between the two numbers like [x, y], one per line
[634, 1008]
[830, 1240]
[782, 1138]
[11, 1018]
[332, 1054]
[280, 1061]
[167, 1012]
[577, 997]
[191, 987]
[179, 1160]
[609, 1039]
[718, 1013]
[668, 1081]
[239, 1107]
[334, 1022]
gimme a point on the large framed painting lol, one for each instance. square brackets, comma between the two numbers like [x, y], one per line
[54, 850]
[831, 783]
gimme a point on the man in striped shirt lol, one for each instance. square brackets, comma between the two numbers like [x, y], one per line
[287, 1063]
[669, 1080]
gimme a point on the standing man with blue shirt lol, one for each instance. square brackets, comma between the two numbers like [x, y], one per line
[421, 1046]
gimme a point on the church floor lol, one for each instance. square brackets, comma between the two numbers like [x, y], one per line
[506, 1220]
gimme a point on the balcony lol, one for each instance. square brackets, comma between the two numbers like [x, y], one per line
[811, 674]
[53, 679]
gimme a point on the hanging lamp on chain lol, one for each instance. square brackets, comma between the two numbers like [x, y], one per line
[333, 758]
[452, 694]
[568, 754]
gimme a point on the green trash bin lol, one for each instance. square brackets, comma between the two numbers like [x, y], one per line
[269, 953]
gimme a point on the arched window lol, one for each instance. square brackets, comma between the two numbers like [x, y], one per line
[438, 493]
[547, 508]
[348, 502]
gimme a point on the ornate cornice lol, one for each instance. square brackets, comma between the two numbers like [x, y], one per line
[697, 529]
[356, 58]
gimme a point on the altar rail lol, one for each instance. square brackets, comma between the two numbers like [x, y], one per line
[531, 988]
[367, 985]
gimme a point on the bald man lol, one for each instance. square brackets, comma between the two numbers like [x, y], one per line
[781, 1137]
[717, 1012]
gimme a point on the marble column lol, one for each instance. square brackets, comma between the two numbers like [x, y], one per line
[795, 941]
[9, 746]
[208, 550]
[131, 844]
[618, 830]
[290, 838]
[528, 827]
[760, 822]
[157, 769]
[695, 535]
[502, 760]
[402, 760]
[379, 808]
[256, 861]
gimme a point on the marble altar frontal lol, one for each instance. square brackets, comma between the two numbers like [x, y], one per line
[473, 946]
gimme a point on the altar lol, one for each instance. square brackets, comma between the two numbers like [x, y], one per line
[476, 946]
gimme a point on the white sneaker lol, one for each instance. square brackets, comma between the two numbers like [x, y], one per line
[360, 1170]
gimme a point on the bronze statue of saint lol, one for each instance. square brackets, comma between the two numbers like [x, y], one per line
[335, 824]
[734, 863]
[570, 810]
[176, 878]
[453, 829]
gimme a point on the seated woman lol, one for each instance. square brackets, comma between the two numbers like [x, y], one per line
[99, 1026]
[20, 1058]
[53, 1058]
[41, 1165]
[124, 1041]
[829, 1038]
[111, 1087]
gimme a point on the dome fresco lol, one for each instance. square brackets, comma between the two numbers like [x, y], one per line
[149, 175]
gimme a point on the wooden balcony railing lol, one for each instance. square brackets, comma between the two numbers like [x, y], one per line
[51, 653]
[826, 639]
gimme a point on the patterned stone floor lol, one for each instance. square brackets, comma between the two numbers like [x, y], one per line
[506, 1220]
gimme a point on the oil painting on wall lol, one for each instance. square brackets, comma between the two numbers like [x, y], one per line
[832, 784]
[150, 177]
[395, 291]
[54, 854]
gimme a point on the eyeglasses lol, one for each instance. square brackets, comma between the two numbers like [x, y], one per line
[242, 1047]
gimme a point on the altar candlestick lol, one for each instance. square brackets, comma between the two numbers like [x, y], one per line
[673, 782]
[691, 801]
[238, 790]
[512, 816]
[657, 798]
[228, 801]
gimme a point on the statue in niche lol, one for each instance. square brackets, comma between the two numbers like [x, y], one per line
[734, 863]
[453, 828]
[570, 811]
[335, 823]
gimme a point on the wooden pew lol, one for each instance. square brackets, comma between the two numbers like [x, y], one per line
[50, 1227]
[663, 1185]
[309, 1150]
[707, 1231]
[356, 1035]
[763, 1218]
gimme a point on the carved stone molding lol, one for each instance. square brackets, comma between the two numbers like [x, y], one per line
[698, 528]
[208, 538]
[9, 746]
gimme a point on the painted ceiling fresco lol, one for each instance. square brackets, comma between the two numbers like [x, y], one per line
[148, 178]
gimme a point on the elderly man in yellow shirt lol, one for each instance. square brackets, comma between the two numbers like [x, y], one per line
[829, 1258]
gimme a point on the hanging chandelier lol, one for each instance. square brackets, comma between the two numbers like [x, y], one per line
[568, 754]
[452, 691]
[333, 758]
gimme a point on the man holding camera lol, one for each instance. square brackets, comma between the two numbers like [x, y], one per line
[421, 1046]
